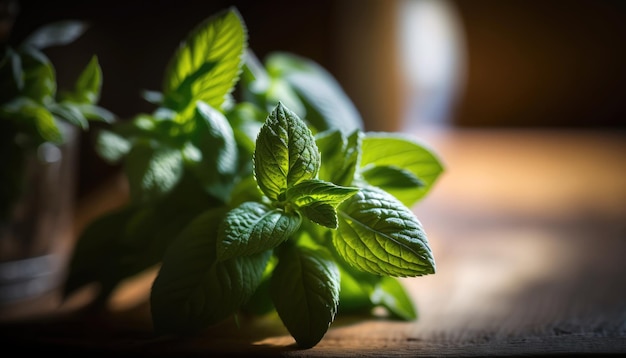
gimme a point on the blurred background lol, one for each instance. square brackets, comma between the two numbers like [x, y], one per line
[406, 64]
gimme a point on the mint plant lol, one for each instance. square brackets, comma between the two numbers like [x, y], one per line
[32, 110]
[253, 187]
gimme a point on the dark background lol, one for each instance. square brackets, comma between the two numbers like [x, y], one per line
[529, 64]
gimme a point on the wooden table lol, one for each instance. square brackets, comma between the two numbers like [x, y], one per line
[528, 229]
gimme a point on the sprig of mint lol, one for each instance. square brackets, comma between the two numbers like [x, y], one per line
[254, 188]
[32, 109]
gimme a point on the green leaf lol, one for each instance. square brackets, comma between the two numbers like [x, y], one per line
[315, 190]
[111, 250]
[327, 105]
[192, 291]
[96, 250]
[340, 155]
[391, 177]
[261, 302]
[111, 146]
[38, 76]
[305, 290]
[286, 153]
[379, 235]
[95, 113]
[267, 91]
[33, 118]
[152, 171]
[254, 78]
[154, 97]
[209, 61]
[390, 294]
[245, 190]
[399, 151]
[55, 34]
[280, 90]
[320, 213]
[356, 285]
[246, 120]
[69, 112]
[317, 200]
[215, 140]
[354, 294]
[252, 228]
[89, 83]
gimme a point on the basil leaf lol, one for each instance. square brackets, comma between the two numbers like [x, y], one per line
[192, 290]
[305, 291]
[252, 228]
[285, 154]
[340, 156]
[395, 150]
[317, 200]
[208, 62]
[327, 105]
[391, 177]
[379, 235]
[152, 171]
[214, 138]
[55, 34]
[390, 294]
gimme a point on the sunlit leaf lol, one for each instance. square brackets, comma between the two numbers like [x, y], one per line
[89, 84]
[214, 138]
[208, 62]
[400, 151]
[111, 146]
[317, 200]
[286, 153]
[379, 235]
[152, 171]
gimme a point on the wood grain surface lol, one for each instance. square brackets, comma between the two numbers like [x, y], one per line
[528, 229]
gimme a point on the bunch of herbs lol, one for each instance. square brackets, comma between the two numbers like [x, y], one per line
[253, 187]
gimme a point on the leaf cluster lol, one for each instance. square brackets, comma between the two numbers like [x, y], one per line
[33, 110]
[255, 189]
